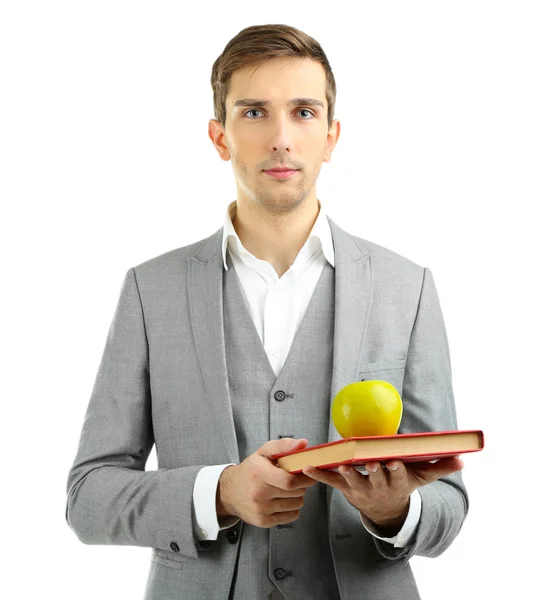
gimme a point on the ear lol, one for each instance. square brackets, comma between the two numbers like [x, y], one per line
[332, 138]
[216, 133]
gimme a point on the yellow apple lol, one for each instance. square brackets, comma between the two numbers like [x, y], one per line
[367, 408]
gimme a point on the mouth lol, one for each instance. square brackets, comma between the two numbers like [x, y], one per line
[281, 174]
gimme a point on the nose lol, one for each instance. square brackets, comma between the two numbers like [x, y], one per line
[281, 135]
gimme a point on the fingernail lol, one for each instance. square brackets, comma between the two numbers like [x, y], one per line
[393, 468]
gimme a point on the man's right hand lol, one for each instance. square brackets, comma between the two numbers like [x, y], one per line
[260, 493]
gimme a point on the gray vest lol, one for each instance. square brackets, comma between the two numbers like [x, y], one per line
[295, 558]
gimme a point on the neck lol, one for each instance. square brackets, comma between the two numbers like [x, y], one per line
[275, 238]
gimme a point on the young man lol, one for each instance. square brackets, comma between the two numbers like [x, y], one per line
[230, 350]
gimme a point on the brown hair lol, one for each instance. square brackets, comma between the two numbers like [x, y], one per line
[257, 44]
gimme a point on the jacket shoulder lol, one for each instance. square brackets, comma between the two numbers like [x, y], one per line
[386, 260]
[170, 263]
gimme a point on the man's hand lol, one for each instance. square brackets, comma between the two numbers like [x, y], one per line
[384, 494]
[260, 493]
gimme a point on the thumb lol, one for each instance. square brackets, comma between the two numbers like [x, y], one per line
[274, 447]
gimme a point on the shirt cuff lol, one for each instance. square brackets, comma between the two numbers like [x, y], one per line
[405, 535]
[205, 523]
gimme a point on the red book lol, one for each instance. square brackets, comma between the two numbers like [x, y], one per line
[408, 447]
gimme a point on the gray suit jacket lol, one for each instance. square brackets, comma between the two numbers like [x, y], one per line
[162, 380]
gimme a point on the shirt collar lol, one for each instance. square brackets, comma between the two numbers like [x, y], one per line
[321, 231]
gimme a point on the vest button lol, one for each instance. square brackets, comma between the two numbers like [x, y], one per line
[279, 395]
[174, 546]
[232, 536]
[279, 573]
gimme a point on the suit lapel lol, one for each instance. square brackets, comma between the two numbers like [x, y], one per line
[353, 296]
[205, 301]
[352, 301]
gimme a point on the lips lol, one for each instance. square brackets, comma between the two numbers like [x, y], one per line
[281, 173]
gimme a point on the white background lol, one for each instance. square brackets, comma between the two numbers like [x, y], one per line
[105, 162]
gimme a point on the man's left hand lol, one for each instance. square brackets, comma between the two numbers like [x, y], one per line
[383, 495]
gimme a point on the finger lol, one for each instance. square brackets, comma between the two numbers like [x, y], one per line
[376, 475]
[329, 477]
[279, 505]
[430, 472]
[278, 477]
[444, 467]
[353, 477]
[281, 493]
[302, 481]
[292, 482]
[398, 475]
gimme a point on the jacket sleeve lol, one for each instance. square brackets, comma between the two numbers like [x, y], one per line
[111, 498]
[429, 405]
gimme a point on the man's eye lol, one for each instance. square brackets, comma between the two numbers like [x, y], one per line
[252, 111]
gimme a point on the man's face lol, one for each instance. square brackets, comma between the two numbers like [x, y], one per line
[259, 137]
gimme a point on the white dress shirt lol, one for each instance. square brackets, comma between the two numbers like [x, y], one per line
[277, 306]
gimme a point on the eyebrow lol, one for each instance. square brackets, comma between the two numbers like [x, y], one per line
[292, 102]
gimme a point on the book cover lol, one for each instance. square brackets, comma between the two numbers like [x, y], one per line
[408, 447]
